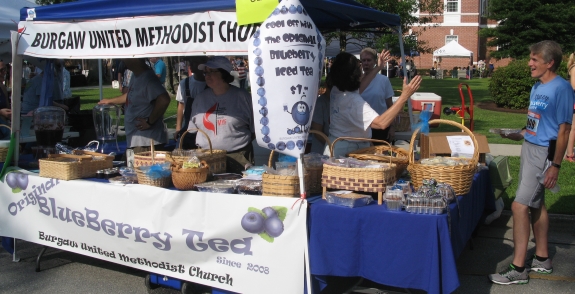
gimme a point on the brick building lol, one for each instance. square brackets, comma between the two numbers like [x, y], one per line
[461, 21]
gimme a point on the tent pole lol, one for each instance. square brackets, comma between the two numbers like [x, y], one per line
[16, 92]
[100, 78]
[409, 110]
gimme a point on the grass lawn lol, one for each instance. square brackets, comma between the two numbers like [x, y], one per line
[561, 203]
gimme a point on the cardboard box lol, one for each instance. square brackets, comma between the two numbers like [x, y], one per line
[436, 144]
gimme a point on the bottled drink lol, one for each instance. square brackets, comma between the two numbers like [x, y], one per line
[541, 179]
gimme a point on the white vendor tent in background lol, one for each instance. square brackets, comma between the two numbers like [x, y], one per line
[9, 17]
[451, 50]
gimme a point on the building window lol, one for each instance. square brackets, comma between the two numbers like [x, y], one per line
[450, 38]
[452, 6]
[484, 8]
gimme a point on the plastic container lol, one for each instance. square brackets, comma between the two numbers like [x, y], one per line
[541, 179]
[222, 186]
[249, 187]
[346, 198]
[49, 124]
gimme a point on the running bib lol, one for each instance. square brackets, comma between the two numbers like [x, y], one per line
[532, 122]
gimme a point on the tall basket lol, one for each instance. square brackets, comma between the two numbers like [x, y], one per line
[372, 180]
[4, 150]
[459, 177]
[215, 158]
[384, 153]
[279, 185]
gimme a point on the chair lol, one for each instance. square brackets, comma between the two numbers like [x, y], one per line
[439, 74]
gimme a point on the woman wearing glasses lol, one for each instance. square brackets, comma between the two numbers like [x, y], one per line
[224, 112]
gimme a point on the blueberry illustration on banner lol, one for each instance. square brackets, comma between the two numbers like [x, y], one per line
[286, 55]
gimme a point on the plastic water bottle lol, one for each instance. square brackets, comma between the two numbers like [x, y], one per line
[541, 179]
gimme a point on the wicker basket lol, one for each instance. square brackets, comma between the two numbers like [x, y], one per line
[402, 123]
[215, 158]
[143, 179]
[185, 178]
[279, 185]
[357, 179]
[459, 177]
[71, 167]
[384, 153]
[4, 150]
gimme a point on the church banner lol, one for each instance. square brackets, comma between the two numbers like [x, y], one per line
[227, 241]
[205, 33]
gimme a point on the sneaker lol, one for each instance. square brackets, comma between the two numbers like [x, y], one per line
[510, 276]
[543, 267]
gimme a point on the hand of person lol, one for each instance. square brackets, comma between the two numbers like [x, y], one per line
[551, 176]
[384, 57]
[413, 85]
[176, 134]
[142, 124]
[6, 113]
[513, 136]
[105, 101]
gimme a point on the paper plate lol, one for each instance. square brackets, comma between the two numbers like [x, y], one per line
[504, 131]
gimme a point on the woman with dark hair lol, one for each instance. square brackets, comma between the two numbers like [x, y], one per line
[225, 113]
[350, 115]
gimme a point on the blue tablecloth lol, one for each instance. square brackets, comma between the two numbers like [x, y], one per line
[398, 249]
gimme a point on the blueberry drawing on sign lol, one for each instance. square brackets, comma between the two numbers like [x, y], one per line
[263, 101]
[261, 81]
[301, 114]
[299, 144]
[290, 145]
[268, 222]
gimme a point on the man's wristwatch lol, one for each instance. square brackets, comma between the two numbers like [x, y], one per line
[558, 166]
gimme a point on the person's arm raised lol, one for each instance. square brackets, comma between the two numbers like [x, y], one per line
[384, 120]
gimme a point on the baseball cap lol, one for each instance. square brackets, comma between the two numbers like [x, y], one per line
[217, 62]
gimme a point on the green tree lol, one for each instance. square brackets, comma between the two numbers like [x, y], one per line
[386, 37]
[50, 2]
[524, 22]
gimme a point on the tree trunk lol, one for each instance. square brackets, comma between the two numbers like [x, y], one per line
[342, 41]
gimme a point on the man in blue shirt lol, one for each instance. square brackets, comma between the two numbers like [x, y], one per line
[160, 69]
[546, 133]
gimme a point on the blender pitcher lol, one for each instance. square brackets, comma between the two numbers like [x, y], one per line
[106, 121]
[49, 128]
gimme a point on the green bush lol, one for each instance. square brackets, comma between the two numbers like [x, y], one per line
[510, 85]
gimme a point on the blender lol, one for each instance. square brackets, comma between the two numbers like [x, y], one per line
[106, 121]
[49, 128]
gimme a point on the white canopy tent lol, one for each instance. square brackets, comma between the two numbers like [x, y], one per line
[452, 50]
[9, 17]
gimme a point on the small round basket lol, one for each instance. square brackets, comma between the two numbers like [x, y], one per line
[144, 179]
[184, 179]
